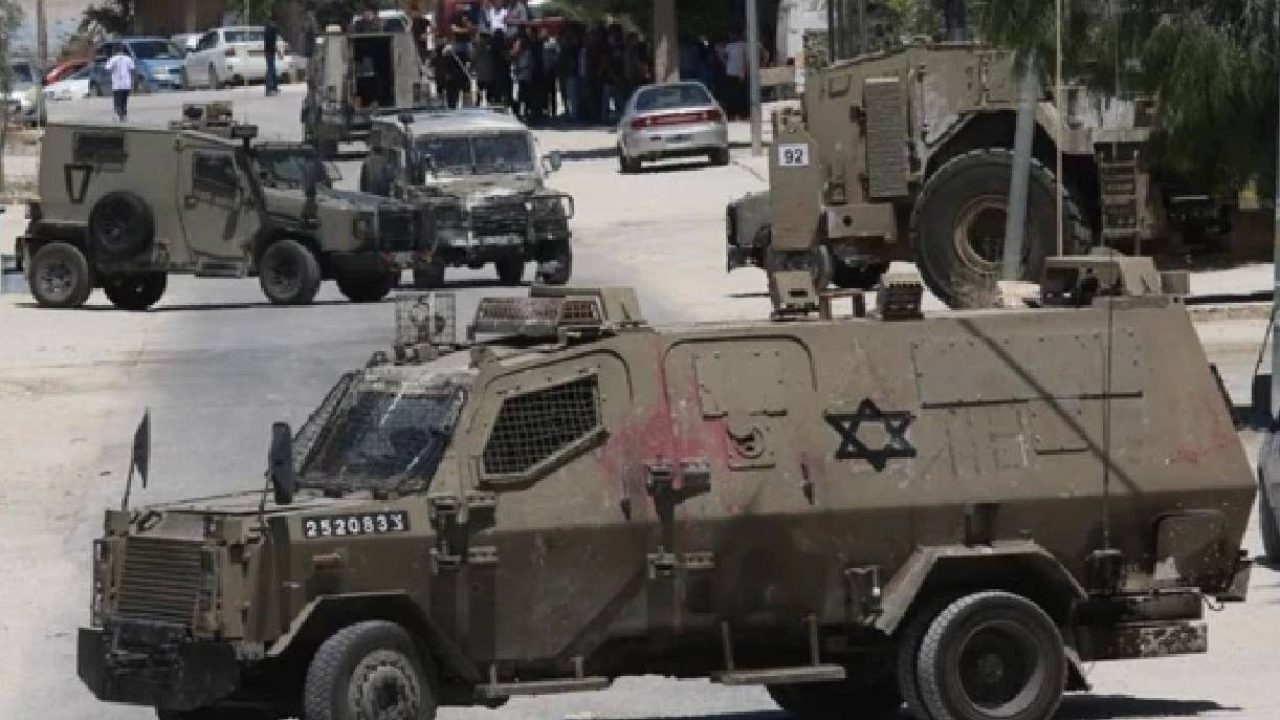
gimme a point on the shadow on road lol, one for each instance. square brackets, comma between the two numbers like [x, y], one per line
[1117, 707]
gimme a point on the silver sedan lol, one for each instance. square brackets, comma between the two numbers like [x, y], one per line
[672, 121]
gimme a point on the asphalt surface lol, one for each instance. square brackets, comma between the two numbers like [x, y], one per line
[215, 365]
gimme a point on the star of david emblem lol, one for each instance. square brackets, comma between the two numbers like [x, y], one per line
[895, 423]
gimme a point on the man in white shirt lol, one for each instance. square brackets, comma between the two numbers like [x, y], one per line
[121, 68]
[736, 71]
[496, 16]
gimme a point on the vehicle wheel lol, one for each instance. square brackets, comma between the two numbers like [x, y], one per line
[214, 82]
[366, 288]
[285, 79]
[908, 652]
[992, 655]
[837, 700]
[121, 225]
[367, 671]
[861, 277]
[957, 226]
[373, 175]
[60, 276]
[429, 277]
[135, 291]
[720, 157]
[184, 78]
[626, 165]
[1267, 523]
[510, 269]
[817, 261]
[288, 273]
[562, 256]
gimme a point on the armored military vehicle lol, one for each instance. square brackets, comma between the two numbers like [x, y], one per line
[352, 76]
[121, 208]
[570, 495]
[906, 154]
[480, 173]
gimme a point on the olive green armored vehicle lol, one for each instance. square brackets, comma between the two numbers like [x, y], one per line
[907, 154]
[950, 512]
[479, 173]
[353, 76]
[123, 207]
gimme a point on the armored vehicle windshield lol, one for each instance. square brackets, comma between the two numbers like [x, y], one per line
[380, 430]
[507, 152]
[285, 166]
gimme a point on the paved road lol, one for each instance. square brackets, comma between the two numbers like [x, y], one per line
[216, 365]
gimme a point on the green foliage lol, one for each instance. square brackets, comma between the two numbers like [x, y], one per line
[110, 17]
[10, 21]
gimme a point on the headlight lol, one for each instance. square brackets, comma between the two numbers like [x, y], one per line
[364, 225]
[560, 206]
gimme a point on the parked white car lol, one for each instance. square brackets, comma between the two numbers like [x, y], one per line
[72, 87]
[229, 56]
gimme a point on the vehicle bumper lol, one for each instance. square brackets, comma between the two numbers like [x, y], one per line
[470, 249]
[675, 141]
[251, 69]
[160, 671]
[1126, 641]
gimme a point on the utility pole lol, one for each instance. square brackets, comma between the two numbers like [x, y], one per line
[753, 70]
[1024, 133]
[1275, 261]
[42, 54]
[666, 62]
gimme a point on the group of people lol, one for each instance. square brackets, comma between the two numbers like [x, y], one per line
[499, 56]
[723, 67]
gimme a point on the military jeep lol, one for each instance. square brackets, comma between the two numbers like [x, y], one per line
[569, 495]
[479, 173]
[352, 76]
[123, 207]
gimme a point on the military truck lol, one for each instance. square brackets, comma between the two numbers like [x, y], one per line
[906, 154]
[352, 76]
[479, 172]
[122, 207]
[570, 495]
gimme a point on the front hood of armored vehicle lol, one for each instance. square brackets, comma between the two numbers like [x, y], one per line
[479, 189]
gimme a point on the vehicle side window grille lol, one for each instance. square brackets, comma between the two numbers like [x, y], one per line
[100, 148]
[536, 428]
[214, 173]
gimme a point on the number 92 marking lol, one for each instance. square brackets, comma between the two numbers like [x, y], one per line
[355, 524]
[793, 155]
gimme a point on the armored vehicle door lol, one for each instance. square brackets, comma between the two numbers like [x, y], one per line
[736, 483]
[550, 555]
[220, 211]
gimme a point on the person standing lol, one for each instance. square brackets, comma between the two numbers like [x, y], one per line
[735, 66]
[269, 38]
[496, 14]
[518, 13]
[482, 66]
[121, 68]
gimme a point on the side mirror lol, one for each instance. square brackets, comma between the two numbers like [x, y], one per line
[552, 161]
[280, 468]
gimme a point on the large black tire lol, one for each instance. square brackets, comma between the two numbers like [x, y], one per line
[992, 656]
[121, 225]
[366, 287]
[60, 276]
[957, 226]
[288, 273]
[430, 277]
[361, 661]
[1267, 523]
[135, 291]
[561, 254]
[909, 638]
[837, 700]
[373, 175]
[720, 157]
[510, 269]
[626, 165]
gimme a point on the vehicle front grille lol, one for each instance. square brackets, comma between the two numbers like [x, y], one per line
[396, 232]
[499, 219]
[161, 580]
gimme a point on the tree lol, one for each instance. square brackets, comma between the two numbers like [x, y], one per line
[110, 17]
[10, 21]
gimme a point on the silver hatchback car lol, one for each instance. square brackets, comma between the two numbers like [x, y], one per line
[674, 120]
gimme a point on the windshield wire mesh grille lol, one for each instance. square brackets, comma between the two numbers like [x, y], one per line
[305, 440]
[532, 428]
